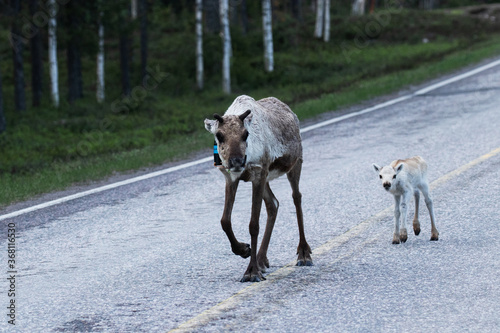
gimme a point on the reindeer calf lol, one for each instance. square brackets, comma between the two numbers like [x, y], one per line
[257, 142]
[402, 178]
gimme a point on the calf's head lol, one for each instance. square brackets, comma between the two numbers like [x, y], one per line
[231, 137]
[388, 174]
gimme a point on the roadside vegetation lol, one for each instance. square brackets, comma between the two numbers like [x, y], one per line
[47, 149]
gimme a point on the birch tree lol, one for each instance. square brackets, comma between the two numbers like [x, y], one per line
[133, 9]
[226, 42]
[267, 28]
[199, 44]
[358, 7]
[326, 34]
[100, 87]
[320, 11]
[53, 66]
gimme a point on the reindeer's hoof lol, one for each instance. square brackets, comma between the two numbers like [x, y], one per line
[434, 237]
[263, 263]
[304, 262]
[243, 250]
[395, 240]
[253, 278]
[403, 237]
[416, 230]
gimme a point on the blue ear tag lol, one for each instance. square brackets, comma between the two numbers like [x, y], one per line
[217, 160]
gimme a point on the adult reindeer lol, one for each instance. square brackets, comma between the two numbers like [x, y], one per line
[259, 141]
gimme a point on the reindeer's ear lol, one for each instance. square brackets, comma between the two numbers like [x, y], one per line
[399, 168]
[376, 167]
[219, 118]
[211, 125]
[246, 117]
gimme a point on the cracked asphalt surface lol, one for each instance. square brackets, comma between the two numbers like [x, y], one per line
[151, 256]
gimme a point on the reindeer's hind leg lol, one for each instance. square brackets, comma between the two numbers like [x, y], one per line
[428, 202]
[303, 250]
[272, 205]
[416, 223]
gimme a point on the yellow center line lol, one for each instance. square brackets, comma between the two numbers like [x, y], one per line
[232, 302]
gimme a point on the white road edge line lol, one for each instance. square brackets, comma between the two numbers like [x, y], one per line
[208, 159]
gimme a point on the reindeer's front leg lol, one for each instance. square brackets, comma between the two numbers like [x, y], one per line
[241, 249]
[403, 233]
[253, 272]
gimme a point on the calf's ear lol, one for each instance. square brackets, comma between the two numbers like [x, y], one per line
[399, 168]
[376, 167]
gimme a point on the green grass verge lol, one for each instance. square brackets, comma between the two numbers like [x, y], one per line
[358, 87]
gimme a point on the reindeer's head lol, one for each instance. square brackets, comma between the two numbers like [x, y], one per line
[388, 175]
[231, 137]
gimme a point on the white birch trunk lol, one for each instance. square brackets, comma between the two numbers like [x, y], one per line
[53, 65]
[226, 41]
[326, 35]
[358, 7]
[199, 44]
[100, 92]
[133, 9]
[320, 11]
[267, 27]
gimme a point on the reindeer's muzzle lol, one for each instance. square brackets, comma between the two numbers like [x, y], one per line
[387, 186]
[236, 164]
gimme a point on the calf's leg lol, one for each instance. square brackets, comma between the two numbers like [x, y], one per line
[403, 233]
[416, 223]
[397, 215]
[430, 208]
[303, 250]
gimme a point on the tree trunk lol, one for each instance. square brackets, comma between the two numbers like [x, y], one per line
[326, 35]
[244, 16]
[53, 66]
[133, 9]
[100, 88]
[358, 7]
[124, 57]
[320, 11]
[36, 60]
[212, 15]
[267, 28]
[74, 73]
[226, 41]
[17, 57]
[199, 44]
[143, 12]
[297, 9]
[3, 124]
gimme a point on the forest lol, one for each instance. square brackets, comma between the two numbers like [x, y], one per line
[92, 88]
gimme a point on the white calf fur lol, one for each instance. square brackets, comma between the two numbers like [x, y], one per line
[402, 178]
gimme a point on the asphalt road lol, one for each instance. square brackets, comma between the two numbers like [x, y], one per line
[151, 256]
